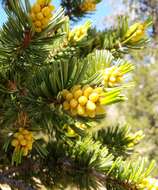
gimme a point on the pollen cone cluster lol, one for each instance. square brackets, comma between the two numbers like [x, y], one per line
[88, 5]
[23, 141]
[112, 77]
[71, 132]
[149, 184]
[136, 31]
[41, 13]
[83, 101]
[78, 33]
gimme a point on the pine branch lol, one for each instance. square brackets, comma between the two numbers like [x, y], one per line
[83, 161]
[115, 39]
[119, 140]
[118, 173]
[27, 48]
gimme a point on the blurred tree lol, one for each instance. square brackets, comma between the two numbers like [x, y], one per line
[145, 8]
[141, 111]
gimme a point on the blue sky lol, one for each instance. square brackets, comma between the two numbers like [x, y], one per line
[103, 9]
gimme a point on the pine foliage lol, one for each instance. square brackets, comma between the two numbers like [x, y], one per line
[53, 95]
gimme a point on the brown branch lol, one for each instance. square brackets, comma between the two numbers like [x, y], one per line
[27, 38]
[6, 176]
[19, 184]
[27, 166]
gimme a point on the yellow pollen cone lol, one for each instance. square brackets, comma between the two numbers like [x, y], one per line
[20, 137]
[94, 97]
[90, 106]
[36, 8]
[88, 91]
[73, 103]
[23, 142]
[75, 88]
[64, 93]
[46, 11]
[39, 16]
[77, 93]
[82, 100]
[66, 106]
[37, 23]
[80, 110]
[15, 143]
[69, 96]
[38, 30]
